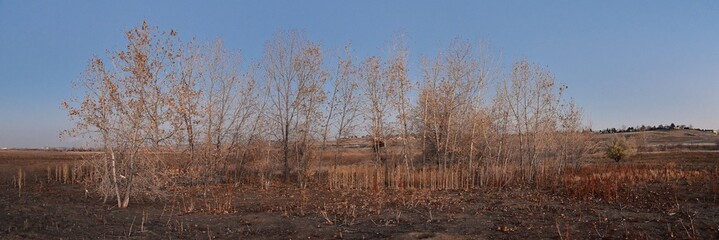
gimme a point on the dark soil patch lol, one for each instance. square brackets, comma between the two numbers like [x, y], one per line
[47, 210]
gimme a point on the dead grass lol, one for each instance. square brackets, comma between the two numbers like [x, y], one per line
[613, 182]
[351, 198]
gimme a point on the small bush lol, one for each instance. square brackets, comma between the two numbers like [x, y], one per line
[619, 148]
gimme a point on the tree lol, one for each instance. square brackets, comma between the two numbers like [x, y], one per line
[529, 101]
[96, 115]
[451, 100]
[378, 91]
[128, 106]
[229, 103]
[542, 129]
[185, 103]
[572, 141]
[397, 74]
[343, 104]
[293, 67]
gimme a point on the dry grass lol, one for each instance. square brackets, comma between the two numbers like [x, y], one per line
[212, 200]
[598, 179]
[609, 181]
[612, 182]
[372, 177]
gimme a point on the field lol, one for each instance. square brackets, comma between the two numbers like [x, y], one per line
[668, 190]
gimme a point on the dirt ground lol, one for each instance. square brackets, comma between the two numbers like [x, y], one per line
[47, 209]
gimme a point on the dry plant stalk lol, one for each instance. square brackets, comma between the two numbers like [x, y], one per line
[19, 181]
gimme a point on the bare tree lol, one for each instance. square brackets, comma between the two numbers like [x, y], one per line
[573, 141]
[213, 104]
[228, 104]
[185, 103]
[451, 101]
[378, 91]
[159, 96]
[342, 104]
[397, 74]
[292, 66]
[96, 116]
[531, 103]
[128, 106]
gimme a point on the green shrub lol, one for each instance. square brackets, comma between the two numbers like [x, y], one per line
[619, 148]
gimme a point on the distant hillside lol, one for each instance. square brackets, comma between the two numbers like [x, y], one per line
[671, 139]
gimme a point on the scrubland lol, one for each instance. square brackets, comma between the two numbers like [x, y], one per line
[669, 194]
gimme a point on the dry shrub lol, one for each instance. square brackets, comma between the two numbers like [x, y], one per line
[152, 180]
[99, 180]
[260, 161]
[216, 199]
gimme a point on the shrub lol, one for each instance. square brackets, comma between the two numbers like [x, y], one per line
[619, 148]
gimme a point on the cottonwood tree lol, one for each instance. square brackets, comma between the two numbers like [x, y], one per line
[185, 102]
[385, 86]
[144, 74]
[196, 101]
[96, 116]
[572, 140]
[127, 105]
[537, 117]
[293, 67]
[213, 104]
[450, 101]
[378, 91]
[397, 74]
[229, 105]
[342, 102]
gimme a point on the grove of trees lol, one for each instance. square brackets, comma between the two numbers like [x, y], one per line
[168, 113]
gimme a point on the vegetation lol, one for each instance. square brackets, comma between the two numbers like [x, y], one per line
[170, 114]
[643, 128]
[619, 148]
[189, 126]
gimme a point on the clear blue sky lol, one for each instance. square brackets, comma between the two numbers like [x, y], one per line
[626, 62]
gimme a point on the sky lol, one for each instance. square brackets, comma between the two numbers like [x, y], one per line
[626, 63]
